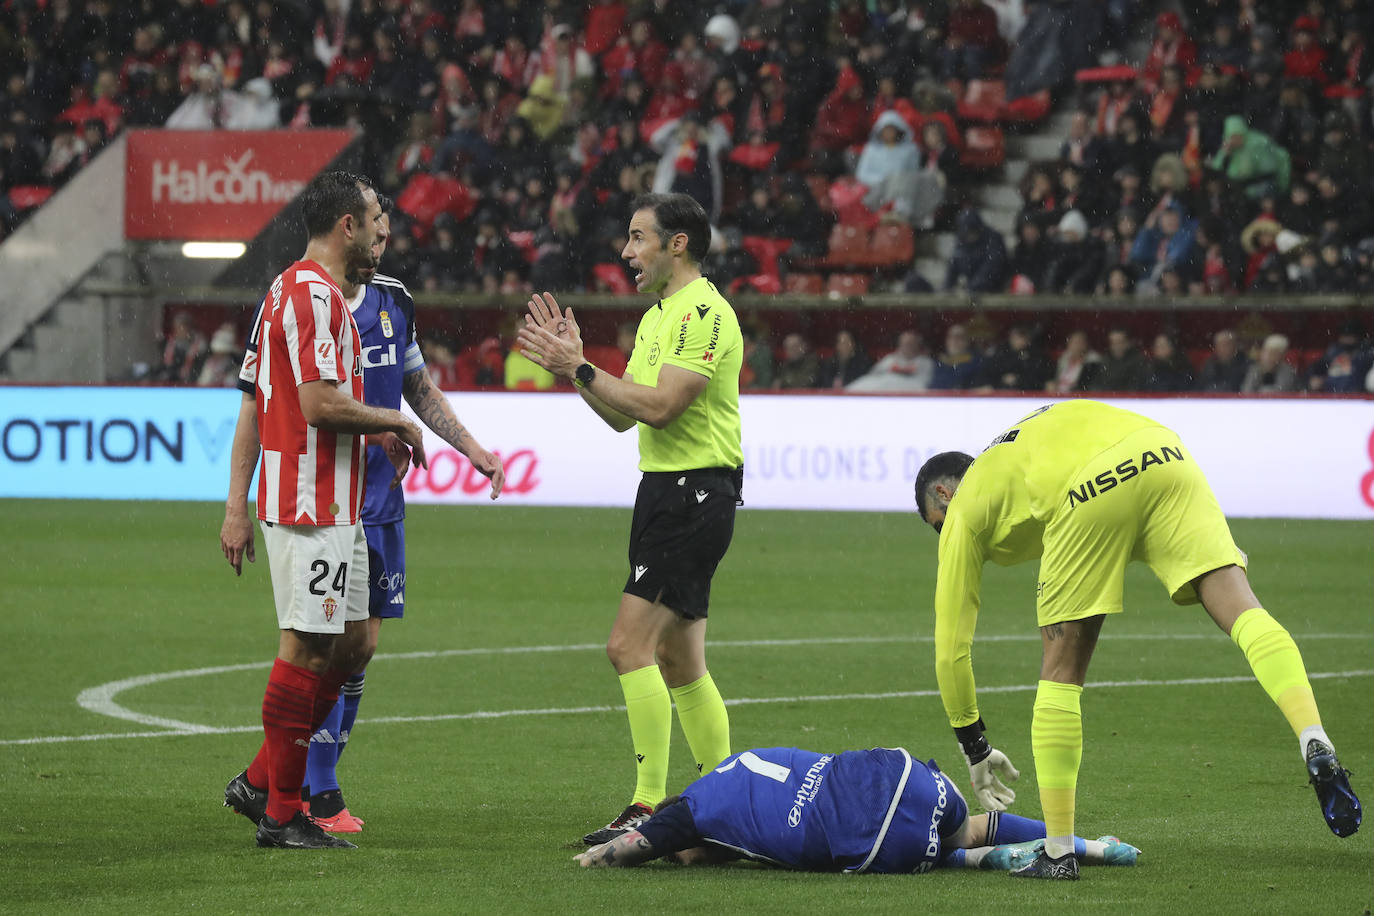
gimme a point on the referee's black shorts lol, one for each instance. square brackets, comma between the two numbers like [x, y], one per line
[682, 525]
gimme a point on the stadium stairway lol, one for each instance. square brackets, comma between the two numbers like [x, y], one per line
[84, 338]
[999, 199]
[49, 330]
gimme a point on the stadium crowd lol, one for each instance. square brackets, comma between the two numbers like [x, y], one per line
[1231, 158]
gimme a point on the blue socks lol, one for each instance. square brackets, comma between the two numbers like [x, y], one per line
[350, 695]
[331, 738]
[1010, 828]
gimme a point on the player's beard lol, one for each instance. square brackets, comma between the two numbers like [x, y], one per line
[361, 265]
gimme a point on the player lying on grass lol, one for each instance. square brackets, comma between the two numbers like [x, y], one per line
[877, 810]
[1086, 488]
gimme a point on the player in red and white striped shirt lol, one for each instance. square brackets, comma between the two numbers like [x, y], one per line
[308, 419]
[306, 333]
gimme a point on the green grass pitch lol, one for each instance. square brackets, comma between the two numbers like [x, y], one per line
[812, 616]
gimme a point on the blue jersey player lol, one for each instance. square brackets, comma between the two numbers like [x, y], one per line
[393, 368]
[878, 810]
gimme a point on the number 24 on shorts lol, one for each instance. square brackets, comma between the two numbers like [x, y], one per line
[321, 570]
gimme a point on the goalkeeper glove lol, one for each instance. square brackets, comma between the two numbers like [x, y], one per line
[986, 767]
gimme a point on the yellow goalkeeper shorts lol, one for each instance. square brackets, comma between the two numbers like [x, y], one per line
[1143, 499]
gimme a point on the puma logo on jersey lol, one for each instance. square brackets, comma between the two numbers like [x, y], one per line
[701, 495]
[640, 571]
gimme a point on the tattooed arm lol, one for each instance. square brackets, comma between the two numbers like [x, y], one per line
[430, 405]
[625, 850]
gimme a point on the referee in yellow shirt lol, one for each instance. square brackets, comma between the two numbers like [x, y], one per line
[681, 388]
[1087, 488]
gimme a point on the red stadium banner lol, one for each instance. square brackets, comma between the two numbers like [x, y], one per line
[218, 185]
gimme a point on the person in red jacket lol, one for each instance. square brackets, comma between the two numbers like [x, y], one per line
[1171, 45]
[1307, 59]
[972, 43]
[638, 53]
[843, 119]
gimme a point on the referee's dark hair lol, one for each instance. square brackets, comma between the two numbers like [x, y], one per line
[676, 213]
[936, 469]
[329, 197]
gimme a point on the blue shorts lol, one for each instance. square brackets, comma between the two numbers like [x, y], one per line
[930, 810]
[386, 569]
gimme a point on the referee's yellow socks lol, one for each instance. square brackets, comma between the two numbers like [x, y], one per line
[651, 718]
[1057, 742]
[704, 721]
[1277, 664]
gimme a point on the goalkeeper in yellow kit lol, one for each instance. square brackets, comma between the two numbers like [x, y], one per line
[1087, 488]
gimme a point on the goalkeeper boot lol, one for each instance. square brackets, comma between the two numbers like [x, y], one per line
[1340, 806]
[1064, 868]
[1011, 856]
[245, 798]
[1118, 853]
[298, 833]
[634, 815]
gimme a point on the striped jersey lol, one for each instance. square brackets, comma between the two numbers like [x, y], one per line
[304, 333]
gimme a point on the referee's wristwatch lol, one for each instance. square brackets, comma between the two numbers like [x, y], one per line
[584, 375]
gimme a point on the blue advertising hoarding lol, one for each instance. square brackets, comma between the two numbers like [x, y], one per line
[116, 443]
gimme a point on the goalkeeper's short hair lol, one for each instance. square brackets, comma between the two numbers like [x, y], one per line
[936, 469]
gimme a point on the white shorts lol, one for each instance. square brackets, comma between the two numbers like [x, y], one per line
[319, 575]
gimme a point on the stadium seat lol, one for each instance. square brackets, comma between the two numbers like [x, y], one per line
[840, 285]
[607, 357]
[806, 284]
[984, 148]
[27, 196]
[768, 284]
[1105, 74]
[984, 101]
[848, 246]
[1030, 109]
[765, 251]
[847, 200]
[612, 277]
[893, 245]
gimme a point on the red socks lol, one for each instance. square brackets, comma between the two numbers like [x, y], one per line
[295, 704]
[287, 710]
[326, 696]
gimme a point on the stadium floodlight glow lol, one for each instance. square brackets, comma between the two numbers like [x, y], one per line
[213, 249]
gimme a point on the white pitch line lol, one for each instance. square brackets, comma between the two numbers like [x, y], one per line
[582, 710]
[101, 699]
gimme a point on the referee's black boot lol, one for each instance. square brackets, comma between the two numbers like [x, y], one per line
[633, 815]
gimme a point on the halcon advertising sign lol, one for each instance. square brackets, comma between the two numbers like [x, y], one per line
[218, 185]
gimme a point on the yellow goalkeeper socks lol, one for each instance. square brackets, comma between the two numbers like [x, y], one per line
[1277, 664]
[1057, 742]
[651, 717]
[704, 721]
